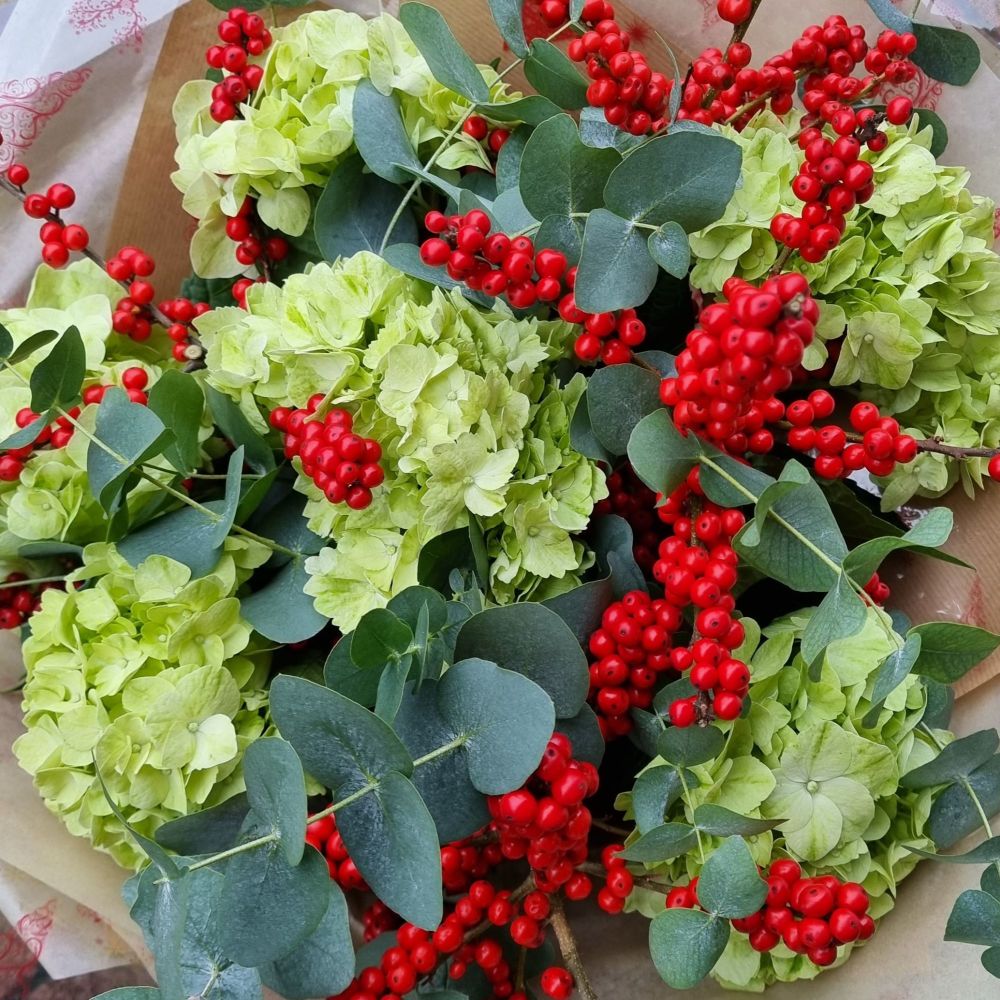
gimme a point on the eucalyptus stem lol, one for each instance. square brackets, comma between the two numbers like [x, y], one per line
[31, 583]
[569, 949]
[412, 189]
[686, 793]
[615, 831]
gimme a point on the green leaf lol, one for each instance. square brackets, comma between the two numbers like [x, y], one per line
[27, 434]
[690, 745]
[731, 483]
[559, 232]
[550, 71]
[618, 397]
[957, 760]
[985, 853]
[721, 822]
[894, 670]
[268, 905]
[945, 54]
[669, 247]
[231, 500]
[929, 532]
[276, 790]
[840, 615]
[559, 174]
[949, 650]
[177, 399]
[954, 815]
[281, 610]
[661, 843]
[654, 792]
[683, 177]
[379, 638]
[890, 16]
[339, 742]
[730, 885]
[584, 732]
[660, 455]
[6, 342]
[392, 839]
[939, 130]
[507, 14]
[390, 687]
[235, 426]
[974, 919]
[459, 549]
[209, 831]
[991, 961]
[134, 432]
[163, 861]
[445, 57]
[508, 168]
[532, 110]
[685, 945]
[794, 536]
[456, 806]
[534, 641]
[322, 964]
[354, 211]
[615, 270]
[33, 343]
[56, 379]
[186, 535]
[485, 707]
[940, 704]
[380, 134]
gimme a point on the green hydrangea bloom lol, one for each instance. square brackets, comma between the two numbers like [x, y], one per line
[912, 293]
[52, 499]
[154, 676]
[299, 127]
[466, 405]
[807, 754]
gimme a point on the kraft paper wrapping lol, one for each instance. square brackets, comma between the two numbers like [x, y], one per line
[92, 105]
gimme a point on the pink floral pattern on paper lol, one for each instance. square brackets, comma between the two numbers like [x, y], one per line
[709, 13]
[93, 15]
[27, 106]
[996, 224]
[922, 90]
[21, 948]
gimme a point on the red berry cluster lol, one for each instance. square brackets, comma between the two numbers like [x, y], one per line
[465, 861]
[742, 354]
[618, 881]
[631, 651]
[632, 95]
[58, 239]
[17, 604]
[182, 313]
[813, 916]
[377, 919]
[59, 433]
[698, 569]
[342, 464]
[500, 266]
[244, 36]
[546, 821]
[876, 444]
[133, 314]
[244, 228]
[325, 837]
[877, 590]
[493, 137]
[630, 498]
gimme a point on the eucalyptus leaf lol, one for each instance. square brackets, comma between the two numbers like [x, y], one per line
[615, 269]
[276, 791]
[507, 14]
[618, 397]
[661, 843]
[660, 455]
[690, 745]
[208, 831]
[231, 420]
[891, 16]
[57, 379]
[974, 919]
[188, 536]
[894, 669]
[656, 789]
[721, 822]
[949, 650]
[446, 58]
[685, 945]
[281, 610]
[584, 733]
[380, 134]
[379, 638]
[840, 615]
[945, 54]
[729, 884]
[954, 815]
[729, 482]
[670, 248]
[532, 109]
[29, 345]
[956, 760]
[985, 853]
[178, 400]
[550, 71]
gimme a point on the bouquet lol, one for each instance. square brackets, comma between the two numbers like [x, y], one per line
[496, 518]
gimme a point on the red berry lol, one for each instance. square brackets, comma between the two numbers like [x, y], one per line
[37, 206]
[18, 174]
[61, 195]
[557, 983]
[734, 11]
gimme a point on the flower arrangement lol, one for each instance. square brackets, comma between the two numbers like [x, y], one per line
[495, 518]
